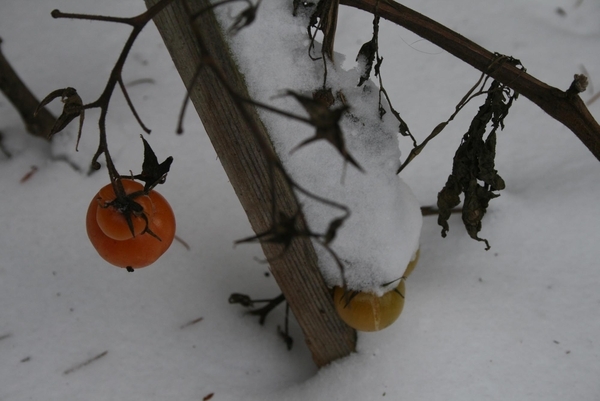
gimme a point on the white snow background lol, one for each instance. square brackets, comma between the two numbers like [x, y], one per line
[521, 321]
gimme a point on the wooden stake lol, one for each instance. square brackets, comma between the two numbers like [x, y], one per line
[243, 155]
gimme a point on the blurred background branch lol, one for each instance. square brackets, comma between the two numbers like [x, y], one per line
[24, 101]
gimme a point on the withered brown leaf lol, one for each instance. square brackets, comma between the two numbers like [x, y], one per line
[326, 122]
[73, 108]
[473, 170]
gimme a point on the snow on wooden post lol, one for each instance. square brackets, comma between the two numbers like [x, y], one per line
[242, 155]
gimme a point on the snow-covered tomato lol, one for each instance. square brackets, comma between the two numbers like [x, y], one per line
[152, 219]
[365, 311]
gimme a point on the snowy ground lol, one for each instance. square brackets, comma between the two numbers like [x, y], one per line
[521, 321]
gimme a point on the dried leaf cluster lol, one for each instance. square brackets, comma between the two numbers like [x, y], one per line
[473, 170]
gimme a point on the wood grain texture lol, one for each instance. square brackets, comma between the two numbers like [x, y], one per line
[242, 154]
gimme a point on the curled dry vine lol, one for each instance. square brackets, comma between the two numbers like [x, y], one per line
[322, 117]
[369, 56]
[325, 120]
[74, 106]
[473, 173]
[564, 106]
[474, 160]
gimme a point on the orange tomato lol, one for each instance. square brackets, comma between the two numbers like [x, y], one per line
[143, 249]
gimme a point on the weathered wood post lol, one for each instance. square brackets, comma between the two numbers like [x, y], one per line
[242, 154]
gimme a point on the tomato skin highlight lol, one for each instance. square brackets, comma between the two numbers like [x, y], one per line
[141, 250]
[366, 311]
[112, 222]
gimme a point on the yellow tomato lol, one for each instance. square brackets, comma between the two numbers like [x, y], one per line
[366, 311]
[411, 266]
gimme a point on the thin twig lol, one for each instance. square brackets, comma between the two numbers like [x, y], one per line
[128, 99]
[191, 322]
[85, 363]
[89, 17]
[138, 23]
[470, 95]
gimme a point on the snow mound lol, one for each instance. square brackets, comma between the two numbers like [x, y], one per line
[382, 233]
